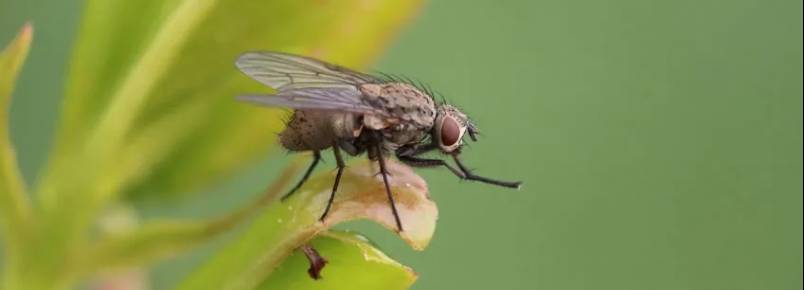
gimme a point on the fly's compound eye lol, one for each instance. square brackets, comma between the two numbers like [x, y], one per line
[450, 132]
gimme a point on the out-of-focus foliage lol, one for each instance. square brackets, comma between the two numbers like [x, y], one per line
[659, 141]
[149, 110]
[143, 65]
[15, 211]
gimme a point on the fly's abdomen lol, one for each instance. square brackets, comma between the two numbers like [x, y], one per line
[318, 130]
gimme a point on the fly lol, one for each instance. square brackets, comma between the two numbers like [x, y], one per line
[358, 113]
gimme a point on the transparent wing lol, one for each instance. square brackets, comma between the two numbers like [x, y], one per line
[283, 71]
[345, 99]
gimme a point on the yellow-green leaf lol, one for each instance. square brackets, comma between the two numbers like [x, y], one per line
[233, 134]
[284, 226]
[149, 106]
[12, 190]
[139, 62]
[353, 263]
[13, 199]
[15, 211]
[160, 239]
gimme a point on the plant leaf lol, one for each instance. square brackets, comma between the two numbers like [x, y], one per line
[139, 64]
[196, 66]
[15, 211]
[284, 226]
[354, 263]
[160, 239]
[233, 134]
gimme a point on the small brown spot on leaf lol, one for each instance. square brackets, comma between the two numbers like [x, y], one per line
[317, 262]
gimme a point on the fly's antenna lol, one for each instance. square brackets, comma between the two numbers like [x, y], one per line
[472, 130]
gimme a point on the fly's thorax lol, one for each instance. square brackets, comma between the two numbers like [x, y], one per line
[403, 104]
[318, 130]
[408, 117]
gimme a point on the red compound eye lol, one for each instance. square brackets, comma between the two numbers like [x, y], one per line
[450, 132]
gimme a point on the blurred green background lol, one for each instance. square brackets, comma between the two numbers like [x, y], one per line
[659, 141]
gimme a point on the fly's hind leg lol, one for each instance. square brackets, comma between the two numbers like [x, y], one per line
[341, 166]
[316, 159]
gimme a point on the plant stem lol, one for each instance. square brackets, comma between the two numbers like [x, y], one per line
[15, 208]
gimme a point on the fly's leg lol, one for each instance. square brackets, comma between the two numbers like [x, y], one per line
[467, 174]
[416, 150]
[384, 173]
[408, 156]
[350, 148]
[423, 162]
[341, 166]
[316, 159]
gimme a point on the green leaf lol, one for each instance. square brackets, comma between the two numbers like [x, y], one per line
[353, 263]
[232, 134]
[284, 226]
[15, 211]
[149, 106]
[160, 239]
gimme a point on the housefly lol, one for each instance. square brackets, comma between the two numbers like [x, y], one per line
[380, 115]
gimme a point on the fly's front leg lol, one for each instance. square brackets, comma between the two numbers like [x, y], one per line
[408, 156]
[341, 166]
[424, 162]
[470, 176]
[416, 150]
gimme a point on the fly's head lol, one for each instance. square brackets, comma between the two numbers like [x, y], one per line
[450, 127]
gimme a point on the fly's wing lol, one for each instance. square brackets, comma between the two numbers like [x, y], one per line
[343, 99]
[283, 71]
[305, 83]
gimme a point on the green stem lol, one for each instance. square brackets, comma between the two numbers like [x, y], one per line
[15, 208]
[77, 188]
[162, 239]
